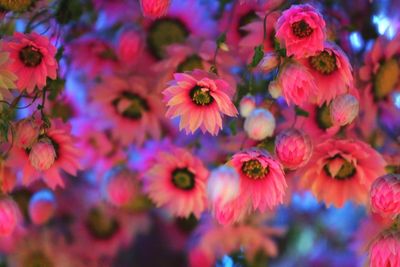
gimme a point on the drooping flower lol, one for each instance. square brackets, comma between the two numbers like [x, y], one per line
[293, 148]
[260, 124]
[269, 62]
[53, 152]
[42, 207]
[199, 98]
[247, 105]
[131, 107]
[33, 60]
[331, 71]
[344, 109]
[119, 186]
[301, 30]
[26, 132]
[341, 170]
[385, 195]
[297, 84]
[385, 250]
[9, 216]
[176, 181]
[154, 8]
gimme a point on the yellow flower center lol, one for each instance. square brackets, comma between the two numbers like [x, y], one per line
[324, 63]
[190, 63]
[301, 29]
[30, 56]
[323, 117]
[136, 108]
[339, 168]
[254, 170]
[16, 5]
[386, 79]
[183, 179]
[100, 225]
[201, 96]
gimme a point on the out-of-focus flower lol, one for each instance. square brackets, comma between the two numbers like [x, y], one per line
[331, 71]
[199, 98]
[269, 62]
[385, 195]
[274, 89]
[16, 5]
[223, 184]
[293, 148]
[385, 250]
[7, 77]
[177, 182]
[154, 8]
[33, 60]
[119, 187]
[301, 30]
[260, 124]
[341, 170]
[129, 47]
[26, 133]
[297, 84]
[58, 152]
[344, 109]
[246, 105]
[42, 206]
[9, 216]
[42, 154]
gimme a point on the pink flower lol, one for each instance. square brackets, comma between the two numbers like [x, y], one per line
[119, 187]
[154, 8]
[26, 133]
[260, 124]
[331, 71]
[9, 215]
[341, 170]
[385, 250]
[223, 184]
[42, 154]
[54, 152]
[42, 207]
[199, 98]
[176, 181]
[385, 195]
[129, 47]
[301, 30]
[262, 185]
[293, 148]
[344, 109]
[33, 60]
[297, 84]
[246, 105]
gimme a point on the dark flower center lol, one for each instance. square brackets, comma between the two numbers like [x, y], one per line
[324, 63]
[183, 179]
[136, 108]
[301, 29]
[201, 96]
[386, 78]
[30, 56]
[164, 32]
[100, 225]
[37, 259]
[16, 5]
[323, 117]
[244, 20]
[346, 170]
[254, 170]
[190, 63]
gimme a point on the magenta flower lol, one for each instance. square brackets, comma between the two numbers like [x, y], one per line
[385, 250]
[154, 8]
[199, 98]
[301, 30]
[385, 195]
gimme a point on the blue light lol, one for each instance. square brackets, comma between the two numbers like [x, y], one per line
[396, 99]
[356, 41]
[227, 261]
[384, 26]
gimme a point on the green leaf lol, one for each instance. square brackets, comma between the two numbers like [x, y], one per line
[221, 39]
[233, 127]
[258, 55]
[301, 112]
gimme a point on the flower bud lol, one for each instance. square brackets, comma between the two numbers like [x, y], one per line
[385, 250]
[344, 109]
[385, 195]
[259, 124]
[246, 105]
[9, 215]
[129, 46]
[269, 62]
[27, 132]
[119, 187]
[42, 206]
[42, 154]
[223, 184]
[293, 148]
[274, 89]
[154, 8]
